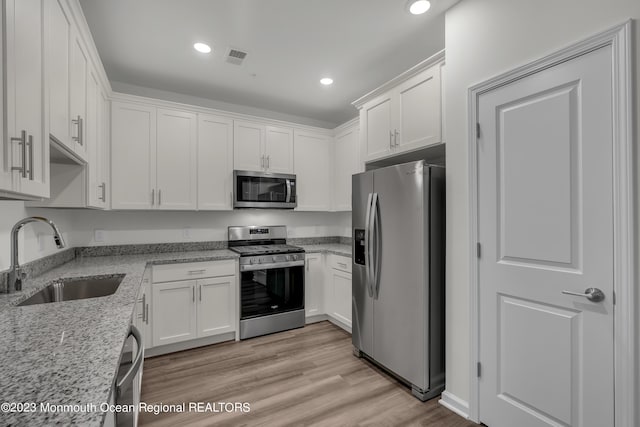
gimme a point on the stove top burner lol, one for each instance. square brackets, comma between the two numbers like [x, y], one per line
[250, 250]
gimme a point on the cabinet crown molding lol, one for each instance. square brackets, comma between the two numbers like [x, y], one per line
[416, 69]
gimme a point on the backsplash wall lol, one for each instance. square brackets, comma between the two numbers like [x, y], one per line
[129, 227]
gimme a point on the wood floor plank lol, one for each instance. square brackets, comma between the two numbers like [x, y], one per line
[303, 377]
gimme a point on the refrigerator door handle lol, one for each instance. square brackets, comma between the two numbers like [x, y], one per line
[374, 245]
[378, 241]
[367, 247]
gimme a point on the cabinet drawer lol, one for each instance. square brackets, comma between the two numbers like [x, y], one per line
[341, 263]
[193, 270]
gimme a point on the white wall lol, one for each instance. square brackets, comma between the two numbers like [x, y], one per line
[124, 227]
[29, 244]
[78, 226]
[485, 38]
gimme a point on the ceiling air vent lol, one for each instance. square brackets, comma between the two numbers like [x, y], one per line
[235, 56]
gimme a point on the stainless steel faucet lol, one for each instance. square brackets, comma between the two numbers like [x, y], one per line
[15, 273]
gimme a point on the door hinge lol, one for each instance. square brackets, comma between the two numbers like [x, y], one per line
[479, 369]
[613, 295]
[477, 130]
[478, 249]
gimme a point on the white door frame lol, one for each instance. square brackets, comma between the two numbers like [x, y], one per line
[625, 312]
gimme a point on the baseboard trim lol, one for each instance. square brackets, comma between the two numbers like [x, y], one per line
[455, 404]
[315, 318]
[339, 323]
[188, 345]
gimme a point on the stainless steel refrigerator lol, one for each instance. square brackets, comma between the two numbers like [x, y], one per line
[398, 272]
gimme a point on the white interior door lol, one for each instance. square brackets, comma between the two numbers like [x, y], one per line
[546, 226]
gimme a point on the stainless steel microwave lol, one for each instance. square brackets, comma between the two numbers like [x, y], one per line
[263, 190]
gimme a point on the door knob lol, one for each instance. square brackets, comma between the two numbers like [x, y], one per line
[592, 294]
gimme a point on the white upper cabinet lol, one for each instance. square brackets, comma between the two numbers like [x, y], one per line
[377, 121]
[215, 162]
[176, 153]
[405, 114]
[59, 43]
[262, 148]
[278, 150]
[153, 158]
[78, 77]
[133, 165]
[345, 165]
[96, 144]
[248, 146]
[24, 158]
[419, 121]
[312, 160]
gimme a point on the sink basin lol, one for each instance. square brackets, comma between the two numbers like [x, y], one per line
[75, 288]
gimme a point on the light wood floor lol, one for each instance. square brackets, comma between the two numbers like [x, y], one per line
[302, 377]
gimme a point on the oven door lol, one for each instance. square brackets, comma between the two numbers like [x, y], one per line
[271, 289]
[264, 190]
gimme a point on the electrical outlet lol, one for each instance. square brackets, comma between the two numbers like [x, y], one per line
[98, 236]
[40, 238]
[186, 233]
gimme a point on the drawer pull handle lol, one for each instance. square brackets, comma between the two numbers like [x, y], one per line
[197, 271]
[342, 264]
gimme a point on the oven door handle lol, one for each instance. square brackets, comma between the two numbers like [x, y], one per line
[288, 198]
[271, 266]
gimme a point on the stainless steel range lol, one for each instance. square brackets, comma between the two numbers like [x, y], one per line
[271, 280]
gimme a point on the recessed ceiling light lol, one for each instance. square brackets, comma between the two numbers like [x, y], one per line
[326, 81]
[418, 7]
[202, 47]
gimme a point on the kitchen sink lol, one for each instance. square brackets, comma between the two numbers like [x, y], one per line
[75, 288]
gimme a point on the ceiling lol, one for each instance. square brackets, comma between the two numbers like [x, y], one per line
[291, 44]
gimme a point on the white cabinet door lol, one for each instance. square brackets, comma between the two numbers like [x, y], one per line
[215, 162]
[174, 312]
[216, 305]
[419, 120]
[248, 146]
[176, 160]
[133, 166]
[94, 157]
[24, 100]
[104, 144]
[313, 285]
[376, 120]
[312, 153]
[145, 310]
[346, 164]
[341, 296]
[57, 46]
[78, 73]
[279, 150]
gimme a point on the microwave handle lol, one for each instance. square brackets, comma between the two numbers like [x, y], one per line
[288, 199]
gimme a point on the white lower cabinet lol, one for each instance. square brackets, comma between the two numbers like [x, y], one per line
[215, 306]
[188, 305]
[174, 314]
[313, 285]
[141, 316]
[340, 288]
[328, 289]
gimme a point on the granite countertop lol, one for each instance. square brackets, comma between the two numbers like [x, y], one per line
[68, 352]
[332, 248]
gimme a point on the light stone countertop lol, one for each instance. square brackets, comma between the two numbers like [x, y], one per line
[332, 248]
[68, 352]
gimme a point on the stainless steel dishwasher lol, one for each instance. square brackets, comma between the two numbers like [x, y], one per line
[129, 378]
